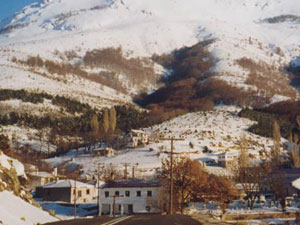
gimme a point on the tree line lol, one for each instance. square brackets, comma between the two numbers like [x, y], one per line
[192, 86]
[284, 113]
[72, 106]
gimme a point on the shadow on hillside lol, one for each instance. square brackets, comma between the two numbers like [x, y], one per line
[294, 69]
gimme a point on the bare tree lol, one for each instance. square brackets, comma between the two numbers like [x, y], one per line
[249, 177]
[251, 180]
[295, 147]
[41, 135]
[294, 150]
[276, 180]
[111, 172]
[50, 138]
[221, 190]
[188, 177]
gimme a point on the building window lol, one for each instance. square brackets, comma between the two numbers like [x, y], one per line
[148, 208]
[127, 193]
[79, 194]
[88, 191]
[138, 194]
[149, 193]
[120, 208]
[117, 193]
[106, 194]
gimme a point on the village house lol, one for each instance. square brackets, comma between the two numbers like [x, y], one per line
[30, 168]
[107, 152]
[40, 178]
[228, 159]
[136, 137]
[208, 162]
[66, 191]
[97, 185]
[130, 196]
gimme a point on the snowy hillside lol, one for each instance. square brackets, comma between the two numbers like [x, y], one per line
[16, 211]
[265, 30]
[18, 208]
[9, 163]
[218, 131]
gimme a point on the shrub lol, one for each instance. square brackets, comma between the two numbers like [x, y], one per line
[267, 78]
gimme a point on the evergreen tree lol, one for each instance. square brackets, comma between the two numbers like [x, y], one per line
[112, 119]
[95, 124]
[244, 160]
[105, 121]
[94, 135]
[276, 148]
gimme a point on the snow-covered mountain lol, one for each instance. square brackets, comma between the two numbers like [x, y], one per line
[262, 30]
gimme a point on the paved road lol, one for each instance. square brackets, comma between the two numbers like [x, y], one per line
[134, 220]
[160, 220]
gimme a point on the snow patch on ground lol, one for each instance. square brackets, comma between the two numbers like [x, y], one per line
[15, 211]
[9, 163]
[22, 137]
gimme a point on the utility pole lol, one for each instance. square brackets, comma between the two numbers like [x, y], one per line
[171, 193]
[75, 199]
[99, 189]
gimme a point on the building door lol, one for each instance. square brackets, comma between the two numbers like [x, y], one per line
[130, 209]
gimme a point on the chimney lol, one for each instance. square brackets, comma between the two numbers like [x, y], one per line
[112, 176]
[54, 173]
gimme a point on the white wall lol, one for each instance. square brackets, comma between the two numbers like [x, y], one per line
[139, 203]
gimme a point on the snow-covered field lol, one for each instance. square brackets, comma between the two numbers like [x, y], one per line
[66, 211]
[219, 130]
[240, 208]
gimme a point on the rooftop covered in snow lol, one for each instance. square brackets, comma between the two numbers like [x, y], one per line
[67, 184]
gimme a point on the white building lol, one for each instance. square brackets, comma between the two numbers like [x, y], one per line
[67, 191]
[107, 152]
[136, 138]
[228, 159]
[130, 196]
[40, 178]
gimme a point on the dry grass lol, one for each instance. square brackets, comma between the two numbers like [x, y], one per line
[139, 71]
[267, 78]
[259, 216]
